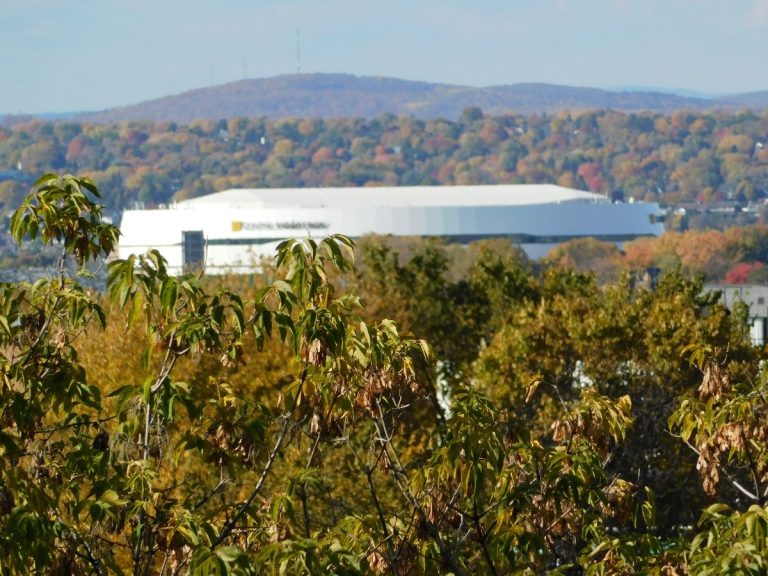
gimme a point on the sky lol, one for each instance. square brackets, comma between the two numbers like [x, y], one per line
[76, 55]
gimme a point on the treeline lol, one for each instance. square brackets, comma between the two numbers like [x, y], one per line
[276, 424]
[684, 157]
[737, 255]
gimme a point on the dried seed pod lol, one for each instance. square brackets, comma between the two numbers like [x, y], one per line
[315, 423]
[715, 382]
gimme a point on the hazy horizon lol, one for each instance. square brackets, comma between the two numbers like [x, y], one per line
[87, 55]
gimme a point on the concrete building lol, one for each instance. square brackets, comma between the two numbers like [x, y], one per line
[233, 229]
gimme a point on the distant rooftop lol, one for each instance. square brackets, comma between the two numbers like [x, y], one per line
[397, 196]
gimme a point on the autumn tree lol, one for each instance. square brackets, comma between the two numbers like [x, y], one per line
[143, 472]
[272, 424]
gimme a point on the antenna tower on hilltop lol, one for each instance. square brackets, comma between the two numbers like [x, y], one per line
[298, 51]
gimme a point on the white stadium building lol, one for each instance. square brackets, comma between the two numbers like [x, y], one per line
[232, 230]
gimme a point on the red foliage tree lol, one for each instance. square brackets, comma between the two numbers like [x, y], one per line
[740, 273]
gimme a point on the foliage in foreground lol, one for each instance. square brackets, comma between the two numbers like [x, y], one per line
[347, 463]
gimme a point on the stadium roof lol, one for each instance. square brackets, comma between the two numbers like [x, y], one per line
[396, 196]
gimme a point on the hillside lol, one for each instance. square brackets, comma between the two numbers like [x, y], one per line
[688, 158]
[344, 95]
[754, 100]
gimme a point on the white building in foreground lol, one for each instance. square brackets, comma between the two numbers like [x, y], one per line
[232, 230]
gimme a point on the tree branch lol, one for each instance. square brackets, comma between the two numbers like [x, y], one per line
[227, 530]
[728, 477]
[447, 556]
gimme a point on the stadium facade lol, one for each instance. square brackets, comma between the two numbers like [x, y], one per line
[233, 229]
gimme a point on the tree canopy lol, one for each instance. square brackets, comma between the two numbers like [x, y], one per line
[677, 158]
[509, 418]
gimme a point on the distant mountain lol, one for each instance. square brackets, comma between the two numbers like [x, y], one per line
[13, 119]
[754, 100]
[661, 90]
[345, 95]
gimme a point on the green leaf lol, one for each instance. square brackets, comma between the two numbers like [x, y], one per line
[169, 293]
[229, 553]
[192, 538]
[111, 497]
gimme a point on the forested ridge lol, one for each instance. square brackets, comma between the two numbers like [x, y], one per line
[318, 95]
[345, 95]
[393, 407]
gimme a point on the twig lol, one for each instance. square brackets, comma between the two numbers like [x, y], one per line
[448, 558]
[728, 477]
[380, 513]
[227, 530]
[752, 468]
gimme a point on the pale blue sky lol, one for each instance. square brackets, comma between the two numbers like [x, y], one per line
[65, 55]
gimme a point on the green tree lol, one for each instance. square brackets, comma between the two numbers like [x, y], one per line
[624, 341]
[279, 428]
[154, 474]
